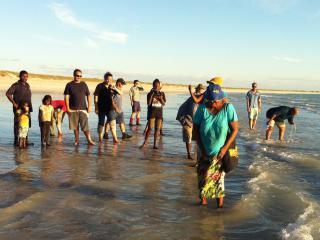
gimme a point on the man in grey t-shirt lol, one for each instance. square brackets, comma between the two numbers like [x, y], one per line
[253, 105]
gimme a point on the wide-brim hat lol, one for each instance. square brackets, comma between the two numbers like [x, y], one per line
[216, 80]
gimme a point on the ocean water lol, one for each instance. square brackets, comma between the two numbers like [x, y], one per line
[122, 192]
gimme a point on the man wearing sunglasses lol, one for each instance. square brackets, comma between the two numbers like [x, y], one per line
[77, 96]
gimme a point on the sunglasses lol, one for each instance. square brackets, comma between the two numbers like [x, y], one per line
[78, 75]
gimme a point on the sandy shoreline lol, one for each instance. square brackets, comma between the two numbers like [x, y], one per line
[55, 84]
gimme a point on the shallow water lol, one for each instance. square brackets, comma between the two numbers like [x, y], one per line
[122, 192]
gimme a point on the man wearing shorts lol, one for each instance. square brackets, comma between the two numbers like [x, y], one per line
[277, 116]
[253, 105]
[134, 94]
[103, 105]
[156, 99]
[77, 96]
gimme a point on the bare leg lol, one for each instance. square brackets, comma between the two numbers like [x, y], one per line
[122, 127]
[112, 125]
[145, 129]
[269, 132]
[282, 130]
[138, 118]
[254, 122]
[88, 136]
[100, 132]
[219, 202]
[204, 201]
[24, 140]
[147, 134]
[76, 137]
[188, 147]
[20, 143]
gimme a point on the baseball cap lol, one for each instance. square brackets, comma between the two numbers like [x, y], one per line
[216, 80]
[121, 80]
[214, 93]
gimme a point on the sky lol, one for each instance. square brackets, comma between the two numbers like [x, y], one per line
[275, 43]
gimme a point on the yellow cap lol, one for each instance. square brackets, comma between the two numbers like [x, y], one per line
[216, 80]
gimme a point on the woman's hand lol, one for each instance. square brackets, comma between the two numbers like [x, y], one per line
[221, 153]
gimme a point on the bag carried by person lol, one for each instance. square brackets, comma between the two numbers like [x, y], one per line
[231, 158]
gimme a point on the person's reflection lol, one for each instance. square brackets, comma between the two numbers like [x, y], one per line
[22, 156]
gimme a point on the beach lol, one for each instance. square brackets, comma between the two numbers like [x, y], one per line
[55, 84]
[123, 192]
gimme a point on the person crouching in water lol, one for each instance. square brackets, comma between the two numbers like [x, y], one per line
[46, 119]
[212, 122]
[185, 116]
[156, 100]
[277, 116]
[24, 121]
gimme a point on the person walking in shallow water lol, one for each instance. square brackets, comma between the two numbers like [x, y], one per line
[20, 93]
[77, 96]
[156, 99]
[277, 116]
[254, 103]
[215, 128]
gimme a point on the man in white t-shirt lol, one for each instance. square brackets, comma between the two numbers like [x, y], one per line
[253, 105]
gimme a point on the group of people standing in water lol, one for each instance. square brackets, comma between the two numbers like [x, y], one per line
[207, 117]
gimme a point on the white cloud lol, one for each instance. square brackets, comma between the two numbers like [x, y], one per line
[286, 59]
[65, 15]
[276, 6]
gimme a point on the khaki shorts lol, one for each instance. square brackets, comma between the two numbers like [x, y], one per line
[78, 118]
[186, 134]
[279, 124]
[253, 114]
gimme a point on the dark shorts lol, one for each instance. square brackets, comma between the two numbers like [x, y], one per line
[156, 113]
[113, 115]
[78, 118]
[136, 107]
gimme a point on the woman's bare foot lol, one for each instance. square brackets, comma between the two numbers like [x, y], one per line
[204, 201]
[115, 141]
[76, 144]
[220, 202]
[90, 142]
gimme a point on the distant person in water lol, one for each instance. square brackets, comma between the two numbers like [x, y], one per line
[156, 99]
[254, 103]
[134, 94]
[20, 93]
[185, 116]
[277, 116]
[78, 103]
[215, 128]
[46, 119]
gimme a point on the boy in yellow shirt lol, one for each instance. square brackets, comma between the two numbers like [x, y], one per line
[24, 120]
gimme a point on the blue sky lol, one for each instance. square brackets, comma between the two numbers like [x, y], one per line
[273, 42]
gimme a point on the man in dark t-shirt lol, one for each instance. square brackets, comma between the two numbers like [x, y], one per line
[18, 94]
[103, 104]
[76, 97]
[277, 116]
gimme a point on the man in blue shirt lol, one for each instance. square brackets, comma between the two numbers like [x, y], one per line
[253, 105]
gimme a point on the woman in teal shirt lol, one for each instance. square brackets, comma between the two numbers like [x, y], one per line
[212, 122]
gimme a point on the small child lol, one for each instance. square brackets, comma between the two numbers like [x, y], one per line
[46, 119]
[24, 120]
